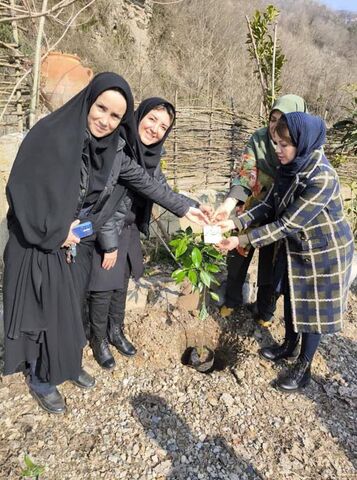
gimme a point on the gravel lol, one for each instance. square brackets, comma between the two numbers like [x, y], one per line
[154, 418]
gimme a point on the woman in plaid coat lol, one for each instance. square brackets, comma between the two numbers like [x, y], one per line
[303, 215]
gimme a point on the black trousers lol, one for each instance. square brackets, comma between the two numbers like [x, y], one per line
[107, 309]
[309, 341]
[237, 267]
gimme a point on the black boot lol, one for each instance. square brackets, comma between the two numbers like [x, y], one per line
[120, 342]
[287, 350]
[52, 402]
[296, 377]
[85, 380]
[102, 353]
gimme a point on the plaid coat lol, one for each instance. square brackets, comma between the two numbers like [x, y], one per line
[319, 244]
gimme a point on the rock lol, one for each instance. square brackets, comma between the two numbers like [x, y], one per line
[227, 399]
[189, 302]
[137, 295]
[163, 468]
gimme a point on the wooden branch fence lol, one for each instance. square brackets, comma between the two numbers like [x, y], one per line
[207, 142]
[14, 95]
[204, 146]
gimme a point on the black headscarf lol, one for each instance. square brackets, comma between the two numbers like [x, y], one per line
[43, 187]
[151, 154]
[308, 133]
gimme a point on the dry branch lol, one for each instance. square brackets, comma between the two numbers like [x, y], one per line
[60, 5]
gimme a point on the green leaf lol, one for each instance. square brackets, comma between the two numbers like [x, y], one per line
[174, 243]
[214, 296]
[196, 257]
[29, 462]
[178, 275]
[181, 248]
[192, 276]
[210, 267]
[203, 312]
[206, 278]
[186, 261]
[214, 254]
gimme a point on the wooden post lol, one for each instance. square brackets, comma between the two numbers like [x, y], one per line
[232, 136]
[37, 66]
[273, 66]
[175, 142]
[209, 141]
[15, 34]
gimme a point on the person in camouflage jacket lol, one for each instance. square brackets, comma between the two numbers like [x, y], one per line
[252, 178]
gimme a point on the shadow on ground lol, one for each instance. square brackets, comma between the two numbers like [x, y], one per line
[188, 455]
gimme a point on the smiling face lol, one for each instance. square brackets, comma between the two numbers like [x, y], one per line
[106, 113]
[273, 120]
[154, 125]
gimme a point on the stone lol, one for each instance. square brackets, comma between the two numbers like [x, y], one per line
[137, 295]
[227, 399]
[189, 302]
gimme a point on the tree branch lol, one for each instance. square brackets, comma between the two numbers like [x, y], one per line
[42, 58]
[60, 5]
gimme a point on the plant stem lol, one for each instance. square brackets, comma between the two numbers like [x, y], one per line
[262, 81]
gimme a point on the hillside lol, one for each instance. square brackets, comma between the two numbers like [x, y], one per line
[197, 47]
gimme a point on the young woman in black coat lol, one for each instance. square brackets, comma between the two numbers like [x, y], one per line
[108, 286]
[66, 171]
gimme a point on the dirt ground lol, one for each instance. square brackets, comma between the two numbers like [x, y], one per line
[154, 418]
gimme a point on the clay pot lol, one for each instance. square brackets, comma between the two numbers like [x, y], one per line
[62, 77]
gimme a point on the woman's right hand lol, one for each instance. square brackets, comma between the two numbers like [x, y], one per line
[71, 238]
[228, 244]
[224, 210]
[226, 225]
[109, 259]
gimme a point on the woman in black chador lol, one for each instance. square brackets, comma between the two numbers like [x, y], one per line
[66, 172]
[154, 119]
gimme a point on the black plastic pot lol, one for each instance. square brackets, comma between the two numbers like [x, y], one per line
[202, 363]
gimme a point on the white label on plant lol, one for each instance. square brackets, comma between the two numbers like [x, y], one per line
[212, 233]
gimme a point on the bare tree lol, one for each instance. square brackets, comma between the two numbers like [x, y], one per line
[22, 11]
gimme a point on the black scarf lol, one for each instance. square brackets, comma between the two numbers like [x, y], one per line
[151, 154]
[43, 187]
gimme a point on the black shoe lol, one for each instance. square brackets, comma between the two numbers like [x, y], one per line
[298, 376]
[120, 342]
[52, 402]
[84, 380]
[102, 353]
[285, 351]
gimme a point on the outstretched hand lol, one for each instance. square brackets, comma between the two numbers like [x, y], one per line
[195, 215]
[223, 211]
[226, 225]
[228, 244]
[208, 210]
